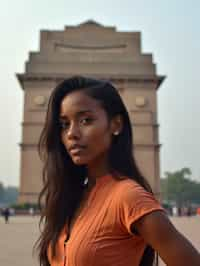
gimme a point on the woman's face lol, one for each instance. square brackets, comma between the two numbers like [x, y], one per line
[85, 129]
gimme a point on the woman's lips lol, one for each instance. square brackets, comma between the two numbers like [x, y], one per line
[76, 151]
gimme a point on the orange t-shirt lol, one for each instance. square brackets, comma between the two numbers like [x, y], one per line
[101, 235]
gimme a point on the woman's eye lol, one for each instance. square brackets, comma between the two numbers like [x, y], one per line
[64, 125]
[85, 121]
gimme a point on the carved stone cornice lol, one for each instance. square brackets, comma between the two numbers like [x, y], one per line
[25, 146]
[112, 78]
[134, 124]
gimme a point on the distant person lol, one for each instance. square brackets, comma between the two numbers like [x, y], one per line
[31, 211]
[180, 211]
[174, 211]
[189, 211]
[6, 214]
[98, 209]
[12, 211]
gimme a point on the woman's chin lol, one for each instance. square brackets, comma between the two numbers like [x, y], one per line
[79, 161]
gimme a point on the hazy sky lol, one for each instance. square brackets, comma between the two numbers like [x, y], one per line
[170, 31]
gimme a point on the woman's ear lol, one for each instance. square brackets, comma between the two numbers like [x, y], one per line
[116, 125]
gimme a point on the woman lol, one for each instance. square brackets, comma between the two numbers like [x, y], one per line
[98, 209]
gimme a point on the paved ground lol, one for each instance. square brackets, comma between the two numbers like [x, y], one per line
[17, 238]
[189, 227]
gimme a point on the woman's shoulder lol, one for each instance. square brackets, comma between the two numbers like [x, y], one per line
[125, 184]
[129, 196]
[128, 189]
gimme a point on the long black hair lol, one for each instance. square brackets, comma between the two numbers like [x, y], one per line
[63, 180]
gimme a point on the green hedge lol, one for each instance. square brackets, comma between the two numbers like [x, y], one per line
[24, 206]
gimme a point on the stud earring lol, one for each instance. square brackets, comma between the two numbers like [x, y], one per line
[116, 133]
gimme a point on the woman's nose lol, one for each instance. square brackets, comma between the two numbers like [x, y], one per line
[73, 132]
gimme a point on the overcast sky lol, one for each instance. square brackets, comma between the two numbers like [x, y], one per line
[170, 31]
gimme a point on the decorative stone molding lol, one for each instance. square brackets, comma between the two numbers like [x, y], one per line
[140, 101]
[40, 100]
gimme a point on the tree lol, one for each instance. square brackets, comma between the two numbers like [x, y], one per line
[11, 194]
[178, 187]
[2, 192]
[8, 194]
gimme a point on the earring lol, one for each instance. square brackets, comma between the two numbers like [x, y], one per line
[116, 133]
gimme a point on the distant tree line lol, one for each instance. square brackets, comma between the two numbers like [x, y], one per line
[178, 187]
[8, 194]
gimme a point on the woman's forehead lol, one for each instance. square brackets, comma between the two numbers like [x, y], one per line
[77, 102]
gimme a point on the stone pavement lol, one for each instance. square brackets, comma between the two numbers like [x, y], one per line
[17, 238]
[16, 241]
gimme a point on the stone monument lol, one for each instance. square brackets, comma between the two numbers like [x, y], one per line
[98, 51]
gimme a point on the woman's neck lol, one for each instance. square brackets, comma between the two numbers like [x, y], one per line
[97, 172]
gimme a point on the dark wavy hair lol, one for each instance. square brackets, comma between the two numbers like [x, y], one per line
[63, 180]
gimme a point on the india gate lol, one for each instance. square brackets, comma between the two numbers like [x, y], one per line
[93, 50]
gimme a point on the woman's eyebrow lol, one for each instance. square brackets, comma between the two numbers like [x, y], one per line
[63, 116]
[85, 111]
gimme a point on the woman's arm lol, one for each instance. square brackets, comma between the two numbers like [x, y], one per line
[172, 247]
